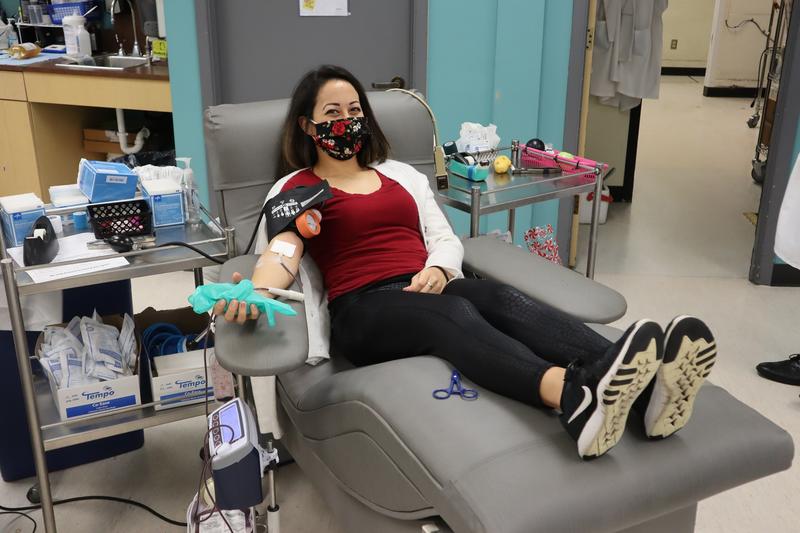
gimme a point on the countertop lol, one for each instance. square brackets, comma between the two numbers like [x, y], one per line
[157, 71]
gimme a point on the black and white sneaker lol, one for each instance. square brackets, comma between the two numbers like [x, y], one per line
[598, 396]
[690, 352]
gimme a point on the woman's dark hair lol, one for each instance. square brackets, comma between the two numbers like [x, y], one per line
[298, 149]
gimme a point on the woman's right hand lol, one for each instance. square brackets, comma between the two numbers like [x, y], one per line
[237, 311]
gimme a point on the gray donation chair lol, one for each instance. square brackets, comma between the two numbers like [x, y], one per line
[389, 458]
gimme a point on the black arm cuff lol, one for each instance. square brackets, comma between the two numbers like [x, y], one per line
[283, 208]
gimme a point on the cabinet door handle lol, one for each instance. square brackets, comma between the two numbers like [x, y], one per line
[396, 83]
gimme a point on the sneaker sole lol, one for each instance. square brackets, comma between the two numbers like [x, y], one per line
[682, 373]
[632, 370]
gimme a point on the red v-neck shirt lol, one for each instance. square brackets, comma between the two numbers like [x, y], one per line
[365, 237]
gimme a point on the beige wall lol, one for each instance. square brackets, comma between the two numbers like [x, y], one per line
[688, 21]
[607, 138]
[733, 54]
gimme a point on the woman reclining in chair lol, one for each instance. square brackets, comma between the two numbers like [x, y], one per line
[392, 269]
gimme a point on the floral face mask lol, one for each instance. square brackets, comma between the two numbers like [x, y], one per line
[342, 138]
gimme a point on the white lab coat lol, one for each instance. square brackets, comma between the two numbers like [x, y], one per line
[444, 249]
[787, 234]
[626, 60]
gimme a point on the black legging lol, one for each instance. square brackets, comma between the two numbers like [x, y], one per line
[494, 334]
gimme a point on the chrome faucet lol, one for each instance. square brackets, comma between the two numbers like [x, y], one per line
[121, 52]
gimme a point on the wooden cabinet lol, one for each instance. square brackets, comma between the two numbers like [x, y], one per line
[12, 86]
[18, 167]
[97, 91]
[42, 116]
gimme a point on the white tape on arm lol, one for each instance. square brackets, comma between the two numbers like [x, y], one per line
[283, 248]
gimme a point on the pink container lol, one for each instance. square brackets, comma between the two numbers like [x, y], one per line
[531, 157]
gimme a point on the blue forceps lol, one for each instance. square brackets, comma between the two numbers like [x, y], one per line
[455, 388]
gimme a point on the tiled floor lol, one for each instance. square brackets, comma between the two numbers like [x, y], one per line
[683, 246]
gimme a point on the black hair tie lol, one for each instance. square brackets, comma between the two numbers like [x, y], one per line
[446, 275]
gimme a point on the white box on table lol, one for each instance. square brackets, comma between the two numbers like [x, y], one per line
[98, 397]
[182, 384]
[184, 380]
[166, 201]
[19, 212]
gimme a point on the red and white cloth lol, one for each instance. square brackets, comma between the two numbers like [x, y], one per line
[542, 241]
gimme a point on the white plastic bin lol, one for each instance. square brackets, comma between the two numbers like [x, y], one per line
[586, 206]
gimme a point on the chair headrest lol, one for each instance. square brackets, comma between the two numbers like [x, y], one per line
[243, 140]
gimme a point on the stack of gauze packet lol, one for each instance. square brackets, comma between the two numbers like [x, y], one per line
[87, 351]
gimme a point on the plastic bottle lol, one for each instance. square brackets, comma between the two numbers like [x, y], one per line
[24, 51]
[189, 190]
[13, 40]
[77, 39]
[5, 30]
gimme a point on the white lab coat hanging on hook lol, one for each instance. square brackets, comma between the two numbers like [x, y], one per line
[787, 234]
[626, 58]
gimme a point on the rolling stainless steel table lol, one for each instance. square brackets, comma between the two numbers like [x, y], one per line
[47, 431]
[506, 192]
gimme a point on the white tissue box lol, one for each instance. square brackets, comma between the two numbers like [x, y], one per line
[181, 377]
[166, 201]
[98, 397]
[180, 380]
[19, 212]
[67, 195]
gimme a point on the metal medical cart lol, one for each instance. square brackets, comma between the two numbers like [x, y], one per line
[506, 192]
[47, 430]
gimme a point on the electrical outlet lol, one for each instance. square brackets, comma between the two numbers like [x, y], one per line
[673, 44]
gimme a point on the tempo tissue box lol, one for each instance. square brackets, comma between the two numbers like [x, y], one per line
[19, 212]
[106, 182]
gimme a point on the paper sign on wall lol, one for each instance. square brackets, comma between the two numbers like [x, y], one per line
[323, 8]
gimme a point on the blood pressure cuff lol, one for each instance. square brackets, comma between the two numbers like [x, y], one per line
[282, 209]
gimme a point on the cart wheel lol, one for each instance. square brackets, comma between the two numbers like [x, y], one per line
[757, 176]
[34, 496]
[752, 122]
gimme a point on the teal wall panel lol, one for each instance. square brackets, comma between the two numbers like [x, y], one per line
[499, 61]
[461, 36]
[797, 141]
[777, 260]
[11, 7]
[187, 99]
[513, 73]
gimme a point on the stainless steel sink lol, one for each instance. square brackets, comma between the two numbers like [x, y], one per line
[108, 62]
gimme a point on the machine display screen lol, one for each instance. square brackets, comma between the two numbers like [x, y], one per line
[229, 419]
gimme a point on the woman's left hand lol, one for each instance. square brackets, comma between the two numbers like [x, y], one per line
[430, 280]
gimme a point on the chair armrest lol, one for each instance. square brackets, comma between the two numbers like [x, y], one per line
[255, 349]
[542, 280]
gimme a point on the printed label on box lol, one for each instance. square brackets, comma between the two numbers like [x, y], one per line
[192, 394]
[167, 209]
[18, 225]
[104, 405]
[116, 179]
[96, 397]
[181, 388]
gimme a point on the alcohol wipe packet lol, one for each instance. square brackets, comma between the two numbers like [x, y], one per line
[102, 345]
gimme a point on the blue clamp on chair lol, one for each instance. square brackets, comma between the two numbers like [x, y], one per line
[390, 459]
